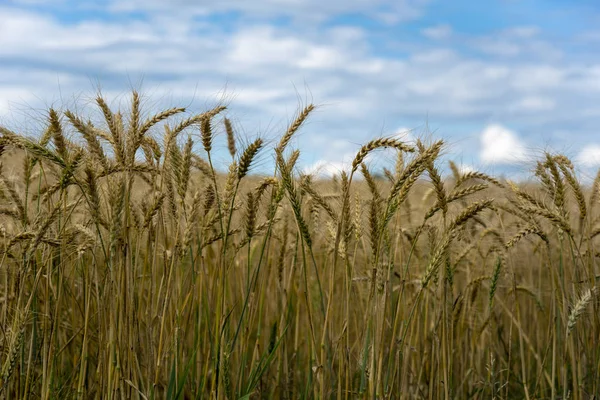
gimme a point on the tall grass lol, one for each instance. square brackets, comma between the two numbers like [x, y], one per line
[132, 266]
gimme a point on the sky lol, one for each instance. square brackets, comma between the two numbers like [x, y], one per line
[500, 81]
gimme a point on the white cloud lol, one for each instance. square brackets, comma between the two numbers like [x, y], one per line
[518, 42]
[499, 47]
[500, 145]
[351, 73]
[326, 168]
[41, 33]
[387, 11]
[9, 96]
[523, 31]
[334, 156]
[434, 56]
[255, 47]
[589, 156]
[534, 103]
[339, 155]
[271, 59]
[465, 168]
[404, 134]
[438, 32]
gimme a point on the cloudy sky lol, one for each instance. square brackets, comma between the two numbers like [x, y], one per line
[499, 80]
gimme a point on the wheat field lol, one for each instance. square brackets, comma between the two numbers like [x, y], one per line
[133, 267]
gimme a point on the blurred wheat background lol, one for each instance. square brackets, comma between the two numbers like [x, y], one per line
[134, 267]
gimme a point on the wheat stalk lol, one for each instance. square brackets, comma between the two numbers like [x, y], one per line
[376, 144]
[579, 308]
[285, 139]
[247, 157]
[230, 137]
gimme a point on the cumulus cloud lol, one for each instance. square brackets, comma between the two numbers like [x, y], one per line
[523, 31]
[465, 168]
[269, 59]
[388, 11]
[404, 134]
[524, 42]
[334, 156]
[534, 103]
[339, 154]
[438, 32]
[326, 169]
[181, 52]
[500, 145]
[589, 156]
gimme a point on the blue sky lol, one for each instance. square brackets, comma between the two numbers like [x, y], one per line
[501, 81]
